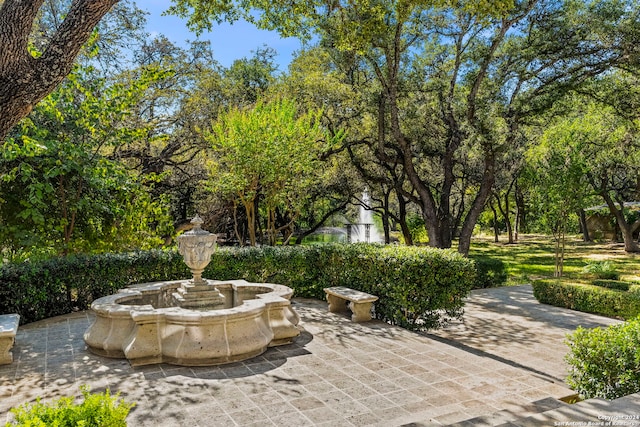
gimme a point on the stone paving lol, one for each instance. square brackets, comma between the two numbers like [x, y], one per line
[506, 359]
[510, 325]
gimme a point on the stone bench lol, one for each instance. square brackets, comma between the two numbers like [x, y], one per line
[360, 303]
[8, 329]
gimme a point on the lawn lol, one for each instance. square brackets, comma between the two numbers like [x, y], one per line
[532, 257]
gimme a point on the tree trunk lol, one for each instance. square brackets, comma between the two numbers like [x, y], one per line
[496, 229]
[504, 211]
[630, 245]
[251, 222]
[402, 219]
[583, 225]
[385, 219]
[521, 208]
[25, 80]
[560, 236]
[478, 205]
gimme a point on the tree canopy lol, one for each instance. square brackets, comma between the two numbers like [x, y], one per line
[441, 109]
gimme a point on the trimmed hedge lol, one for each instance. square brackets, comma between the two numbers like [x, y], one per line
[491, 272]
[612, 284]
[605, 362]
[38, 290]
[419, 288]
[588, 298]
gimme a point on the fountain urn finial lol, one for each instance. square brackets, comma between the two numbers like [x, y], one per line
[196, 247]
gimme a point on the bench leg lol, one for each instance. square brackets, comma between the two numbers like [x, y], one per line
[361, 311]
[336, 305]
[6, 344]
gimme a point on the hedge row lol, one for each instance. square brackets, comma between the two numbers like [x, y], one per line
[604, 362]
[38, 290]
[588, 298]
[419, 288]
[612, 284]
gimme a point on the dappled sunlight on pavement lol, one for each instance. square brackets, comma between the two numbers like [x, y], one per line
[504, 362]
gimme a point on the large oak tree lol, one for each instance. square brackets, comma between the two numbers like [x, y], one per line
[26, 78]
[456, 80]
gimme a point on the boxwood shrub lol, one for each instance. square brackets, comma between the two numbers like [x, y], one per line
[588, 298]
[605, 362]
[419, 288]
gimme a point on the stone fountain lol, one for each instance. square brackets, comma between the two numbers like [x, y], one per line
[192, 322]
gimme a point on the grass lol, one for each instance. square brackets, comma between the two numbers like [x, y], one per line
[532, 257]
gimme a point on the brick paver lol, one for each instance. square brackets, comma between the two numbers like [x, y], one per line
[505, 359]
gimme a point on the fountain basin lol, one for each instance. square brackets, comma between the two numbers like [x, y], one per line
[140, 324]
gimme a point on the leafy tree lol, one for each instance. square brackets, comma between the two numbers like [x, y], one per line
[558, 169]
[59, 189]
[456, 81]
[318, 79]
[267, 156]
[26, 79]
[589, 150]
[167, 153]
[611, 147]
[120, 32]
[248, 79]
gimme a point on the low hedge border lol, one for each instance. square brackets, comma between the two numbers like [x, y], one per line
[612, 284]
[588, 298]
[419, 288]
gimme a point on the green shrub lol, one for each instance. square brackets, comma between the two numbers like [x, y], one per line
[296, 267]
[491, 272]
[601, 270]
[41, 289]
[612, 284]
[96, 410]
[419, 288]
[587, 298]
[605, 362]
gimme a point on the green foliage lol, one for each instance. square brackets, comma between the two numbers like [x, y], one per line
[58, 187]
[96, 410]
[588, 298]
[41, 289]
[417, 229]
[267, 156]
[491, 272]
[419, 288]
[601, 270]
[612, 284]
[605, 362]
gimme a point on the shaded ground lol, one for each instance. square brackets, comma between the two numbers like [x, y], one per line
[506, 357]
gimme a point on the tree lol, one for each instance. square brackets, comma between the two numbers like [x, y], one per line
[558, 168]
[266, 157]
[25, 78]
[612, 148]
[455, 81]
[59, 190]
[590, 150]
[167, 153]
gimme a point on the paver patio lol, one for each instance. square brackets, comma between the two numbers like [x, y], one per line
[504, 363]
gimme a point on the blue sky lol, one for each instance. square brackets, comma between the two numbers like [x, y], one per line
[229, 42]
